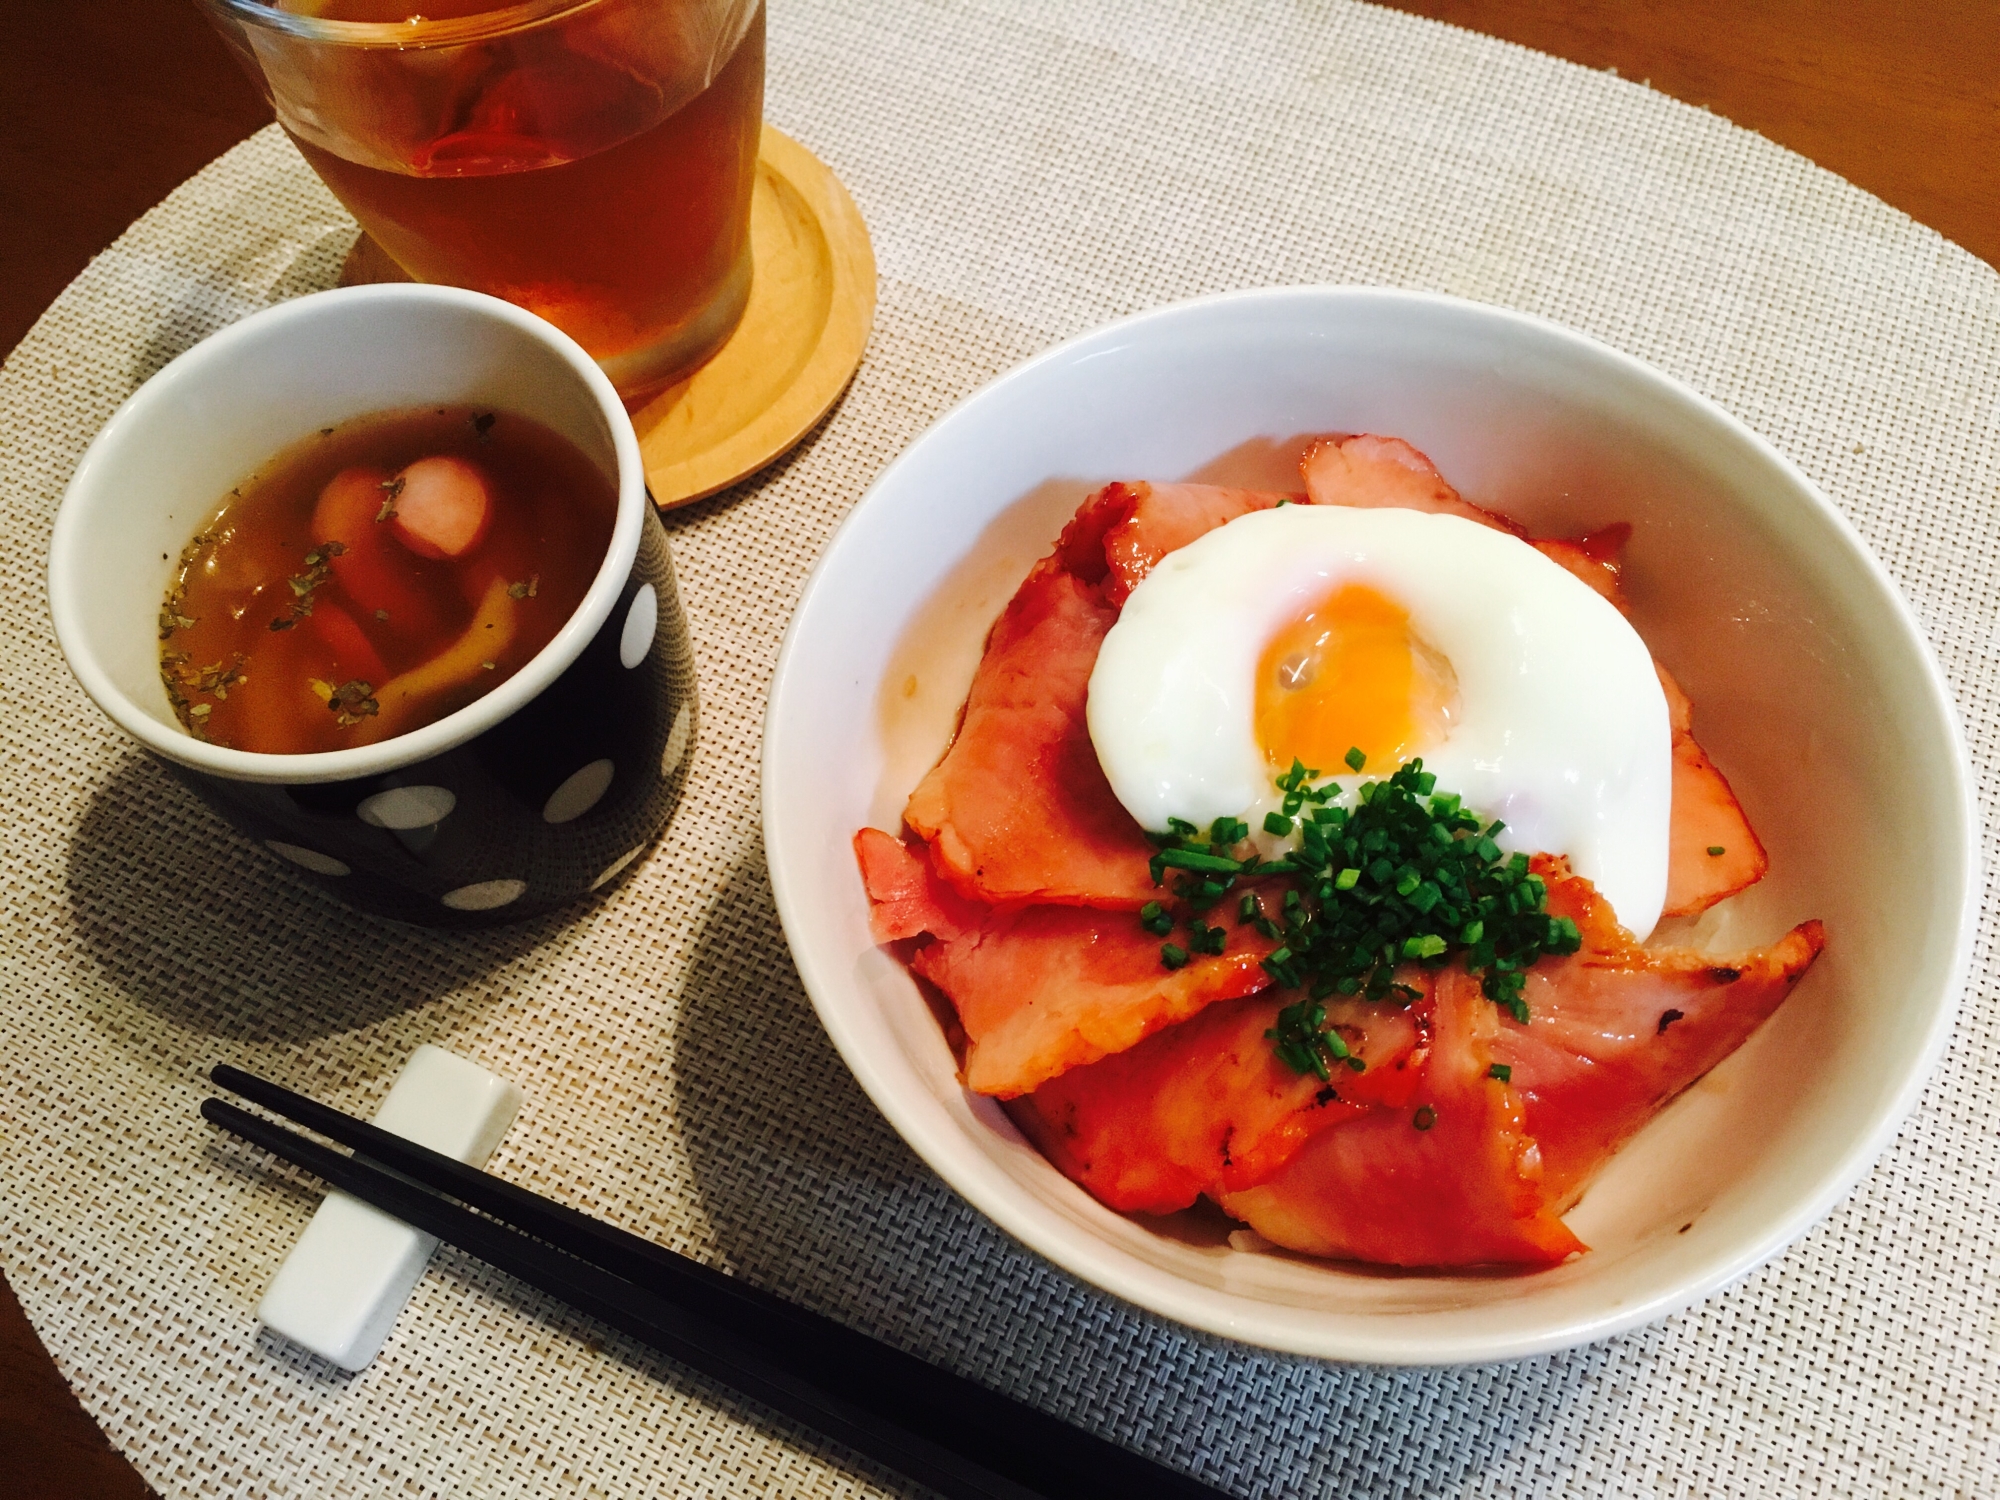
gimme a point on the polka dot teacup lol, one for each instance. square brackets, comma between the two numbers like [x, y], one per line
[543, 791]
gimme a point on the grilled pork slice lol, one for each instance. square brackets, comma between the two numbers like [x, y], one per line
[1367, 471]
[1019, 810]
[1041, 989]
[1206, 1106]
[1712, 852]
[1044, 989]
[1451, 1178]
[1155, 519]
[1615, 1031]
[906, 896]
[1597, 558]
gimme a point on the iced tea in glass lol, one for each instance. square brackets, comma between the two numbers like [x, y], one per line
[590, 160]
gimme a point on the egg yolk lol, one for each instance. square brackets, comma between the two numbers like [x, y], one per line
[1349, 673]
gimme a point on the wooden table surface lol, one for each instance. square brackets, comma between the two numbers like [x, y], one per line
[105, 106]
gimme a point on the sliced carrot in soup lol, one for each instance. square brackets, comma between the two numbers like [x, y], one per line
[354, 655]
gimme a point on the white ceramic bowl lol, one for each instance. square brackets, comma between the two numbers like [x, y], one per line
[1812, 686]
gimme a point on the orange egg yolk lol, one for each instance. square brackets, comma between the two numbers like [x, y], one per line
[1350, 673]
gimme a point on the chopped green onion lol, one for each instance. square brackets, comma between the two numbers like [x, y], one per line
[1228, 832]
[1195, 859]
[1354, 758]
[1716, 849]
[1172, 955]
[1277, 824]
[1502, 1072]
[1410, 875]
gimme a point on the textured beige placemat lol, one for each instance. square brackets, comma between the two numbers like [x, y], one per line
[1028, 172]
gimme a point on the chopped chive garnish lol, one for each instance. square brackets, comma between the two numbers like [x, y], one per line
[1501, 1071]
[1205, 939]
[1196, 859]
[1225, 833]
[1355, 759]
[1715, 849]
[1409, 875]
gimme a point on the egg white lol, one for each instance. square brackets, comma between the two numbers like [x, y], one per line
[1562, 727]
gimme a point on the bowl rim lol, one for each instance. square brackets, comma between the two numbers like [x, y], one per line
[69, 551]
[1262, 1323]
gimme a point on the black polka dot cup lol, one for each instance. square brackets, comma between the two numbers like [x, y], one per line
[541, 792]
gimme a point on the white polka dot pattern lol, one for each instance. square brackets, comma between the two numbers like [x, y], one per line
[1028, 170]
[642, 619]
[579, 793]
[308, 859]
[487, 895]
[678, 739]
[407, 807]
[616, 865]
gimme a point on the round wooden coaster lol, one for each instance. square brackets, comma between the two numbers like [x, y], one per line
[812, 302]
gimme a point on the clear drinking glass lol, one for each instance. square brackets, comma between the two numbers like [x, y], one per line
[589, 160]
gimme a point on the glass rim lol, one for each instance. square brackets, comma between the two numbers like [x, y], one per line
[402, 35]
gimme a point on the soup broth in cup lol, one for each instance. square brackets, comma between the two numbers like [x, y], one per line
[379, 575]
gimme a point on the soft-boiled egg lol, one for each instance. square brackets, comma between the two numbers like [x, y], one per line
[1304, 631]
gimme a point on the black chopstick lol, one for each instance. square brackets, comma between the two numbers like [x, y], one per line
[948, 1432]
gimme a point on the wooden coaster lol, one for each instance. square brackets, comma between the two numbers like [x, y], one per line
[812, 302]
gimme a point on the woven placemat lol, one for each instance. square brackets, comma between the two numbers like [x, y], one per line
[1028, 171]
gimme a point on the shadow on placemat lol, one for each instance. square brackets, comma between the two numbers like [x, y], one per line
[256, 276]
[211, 934]
[811, 1194]
[556, 1328]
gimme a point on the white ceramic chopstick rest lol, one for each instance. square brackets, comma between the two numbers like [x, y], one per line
[338, 1293]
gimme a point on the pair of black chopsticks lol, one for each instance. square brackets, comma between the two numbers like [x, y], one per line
[941, 1429]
